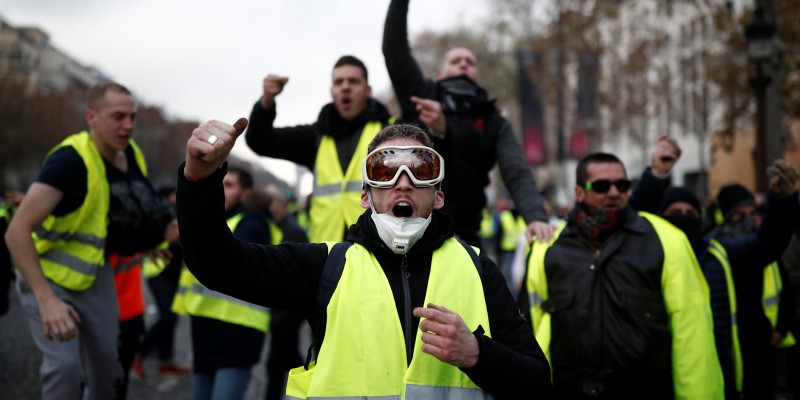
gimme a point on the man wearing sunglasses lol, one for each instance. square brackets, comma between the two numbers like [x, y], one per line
[618, 301]
[465, 126]
[413, 314]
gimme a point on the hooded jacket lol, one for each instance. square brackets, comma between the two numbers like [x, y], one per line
[511, 364]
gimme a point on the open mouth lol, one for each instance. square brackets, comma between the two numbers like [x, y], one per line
[402, 210]
[346, 102]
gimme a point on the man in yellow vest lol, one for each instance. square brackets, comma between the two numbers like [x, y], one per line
[618, 301]
[733, 267]
[74, 215]
[227, 333]
[758, 287]
[332, 147]
[399, 310]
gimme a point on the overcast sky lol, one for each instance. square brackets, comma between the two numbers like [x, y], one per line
[205, 59]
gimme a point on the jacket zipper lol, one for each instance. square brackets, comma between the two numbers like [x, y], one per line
[407, 309]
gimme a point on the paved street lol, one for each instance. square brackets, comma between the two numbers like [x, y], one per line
[20, 359]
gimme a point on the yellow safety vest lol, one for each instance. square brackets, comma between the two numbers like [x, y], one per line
[716, 249]
[6, 210]
[487, 225]
[512, 229]
[193, 298]
[694, 377]
[71, 248]
[336, 198]
[363, 354]
[773, 285]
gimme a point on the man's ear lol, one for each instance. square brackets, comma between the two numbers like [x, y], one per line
[438, 202]
[580, 193]
[364, 199]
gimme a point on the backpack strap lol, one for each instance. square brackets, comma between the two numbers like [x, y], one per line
[328, 280]
[475, 259]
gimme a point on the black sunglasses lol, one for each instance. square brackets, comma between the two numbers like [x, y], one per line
[604, 185]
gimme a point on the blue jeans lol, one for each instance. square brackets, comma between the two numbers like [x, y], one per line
[222, 384]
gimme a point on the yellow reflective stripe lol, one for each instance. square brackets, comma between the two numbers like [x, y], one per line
[772, 290]
[86, 238]
[206, 292]
[71, 262]
[392, 397]
[444, 393]
[336, 188]
[535, 300]
[122, 267]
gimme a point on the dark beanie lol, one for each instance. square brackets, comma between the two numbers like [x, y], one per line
[675, 194]
[731, 197]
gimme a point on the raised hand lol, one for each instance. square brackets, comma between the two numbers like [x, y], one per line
[782, 178]
[209, 146]
[665, 155]
[430, 114]
[273, 86]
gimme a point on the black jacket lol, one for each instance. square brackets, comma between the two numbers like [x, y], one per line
[610, 328]
[511, 364]
[476, 139]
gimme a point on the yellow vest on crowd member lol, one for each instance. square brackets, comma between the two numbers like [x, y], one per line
[716, 249]
[487, 224]
[512, 227]
[336, 198]
[6, 211]
[193, 298]
[153, 267]
[371, 363]
[71, 247]
[773, 286]
[688, 383]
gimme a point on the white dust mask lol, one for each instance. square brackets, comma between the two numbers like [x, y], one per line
[399, 233]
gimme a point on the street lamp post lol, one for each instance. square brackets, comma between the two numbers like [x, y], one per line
[765, 55]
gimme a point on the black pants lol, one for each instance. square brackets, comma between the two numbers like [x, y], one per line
[161, 335]
[130, 336]
[283, 352]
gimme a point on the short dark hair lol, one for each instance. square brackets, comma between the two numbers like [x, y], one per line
[594, 158]
[406, 131]
[352, 60]
[245, 177]
[97, 93]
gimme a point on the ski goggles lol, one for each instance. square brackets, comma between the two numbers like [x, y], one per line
[604, 185]
[423, 165]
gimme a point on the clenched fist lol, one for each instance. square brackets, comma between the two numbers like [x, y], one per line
[273, 86]
[209, 146]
